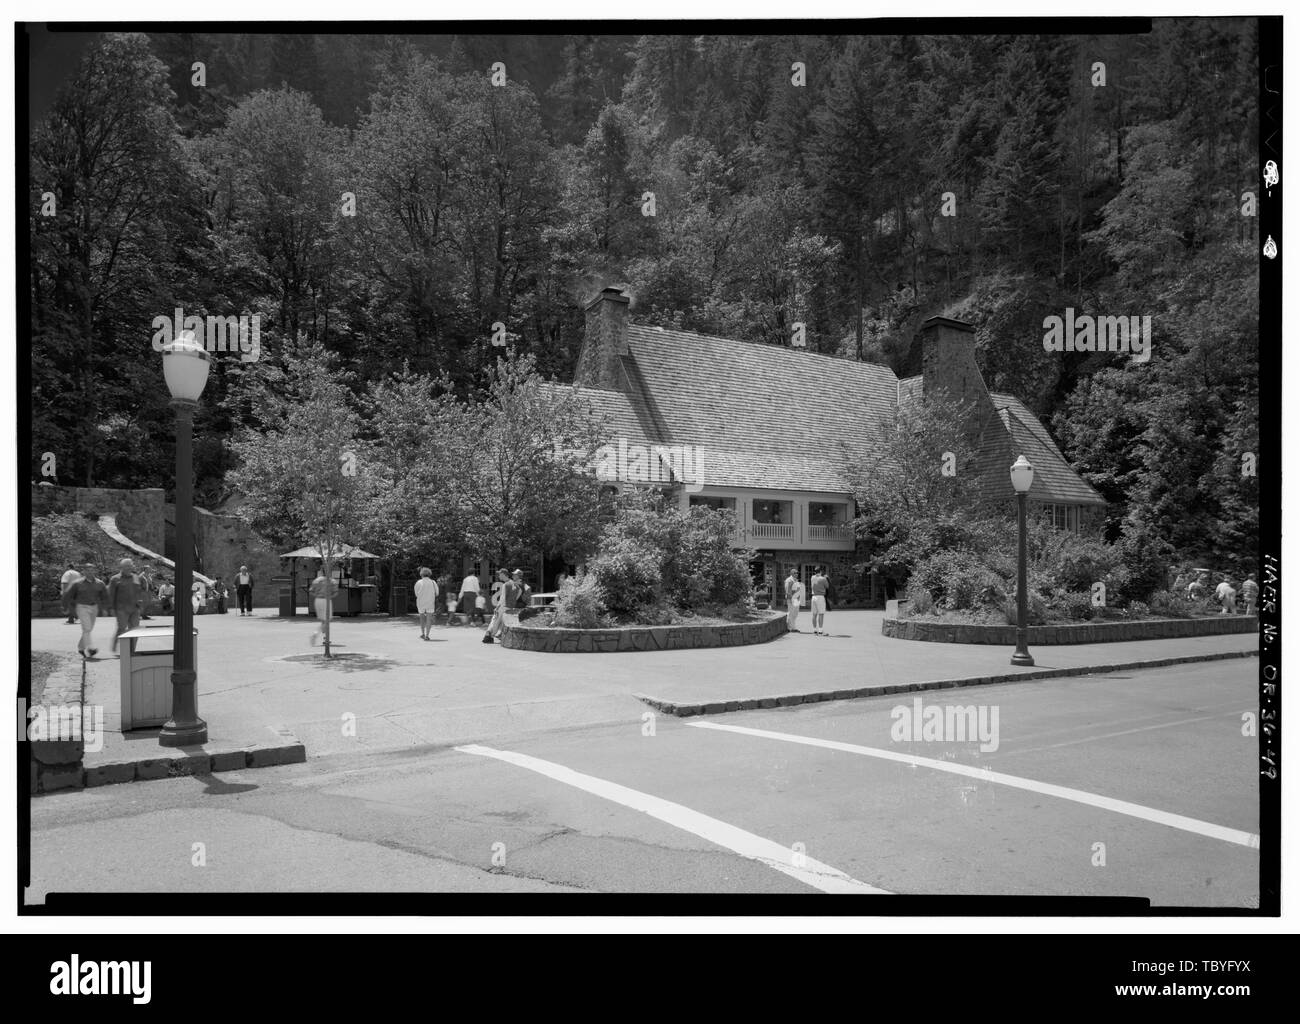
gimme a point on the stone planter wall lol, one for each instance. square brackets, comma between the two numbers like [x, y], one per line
[1083, 633]
[640, 638]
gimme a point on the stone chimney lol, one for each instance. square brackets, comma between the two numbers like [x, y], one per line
[604, 342]
[948, 366]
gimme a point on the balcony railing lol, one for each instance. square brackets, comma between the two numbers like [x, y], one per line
[839, 531]
[772, 531]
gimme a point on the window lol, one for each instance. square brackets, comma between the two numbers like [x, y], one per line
[772, 511]
[708, 501]
[827, 513]
[1062, 517]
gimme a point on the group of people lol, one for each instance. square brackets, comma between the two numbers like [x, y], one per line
[1225, 594]
[820, 585]
[509, 593]
[130, 594]
[85, 597]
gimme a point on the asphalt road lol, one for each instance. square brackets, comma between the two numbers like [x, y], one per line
[1135, 785]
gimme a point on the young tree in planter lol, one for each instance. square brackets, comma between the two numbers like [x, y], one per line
[520, 467]
[306, 478]
[919, 494]
[413, 512]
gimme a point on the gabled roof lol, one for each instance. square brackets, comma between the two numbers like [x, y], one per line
[1054, 479]
[778, 418]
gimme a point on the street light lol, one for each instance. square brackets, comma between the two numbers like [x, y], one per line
[185, 368]
[1022, 478]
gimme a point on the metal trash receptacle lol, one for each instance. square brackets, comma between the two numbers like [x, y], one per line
[286, 602]
[397, 601]
[147, 675]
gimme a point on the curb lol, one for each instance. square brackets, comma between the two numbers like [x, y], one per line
[287, 749]
[685, 709]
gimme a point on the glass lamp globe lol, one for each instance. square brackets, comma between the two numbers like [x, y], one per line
[1022, 475]
[185, 367]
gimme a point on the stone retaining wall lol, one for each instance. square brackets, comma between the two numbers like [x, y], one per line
[1083, 633]
[640, 638]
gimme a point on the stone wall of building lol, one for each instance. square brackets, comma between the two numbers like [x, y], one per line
[223, 543]
[139, 512]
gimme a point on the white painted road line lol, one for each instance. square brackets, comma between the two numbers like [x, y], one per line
[1203, 828]
[797, 865]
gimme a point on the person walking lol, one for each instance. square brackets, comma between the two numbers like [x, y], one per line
[321, 592]
[426, 601]
[1250, 593]
[65, 581]
[199, 597]
[1226, 595]
[126, 596]
[87, 598]
[244, 590]
[505, 597]
[792, 602]
[146, 580]
[469, 595]
[820, 584]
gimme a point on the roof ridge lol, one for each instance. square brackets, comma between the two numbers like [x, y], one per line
[763, 345]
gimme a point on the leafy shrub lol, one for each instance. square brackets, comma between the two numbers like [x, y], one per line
[1147, 557]
[1172, 605]
[1036, 609]
[656, 560]
[627, 571]
[959, 579]
[1071, 607]
[580, 603]
[1138, 609]
[920, 602]
[1067, 563]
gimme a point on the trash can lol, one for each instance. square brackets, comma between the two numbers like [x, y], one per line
[397, 601]
[286, 601]
[147, 660]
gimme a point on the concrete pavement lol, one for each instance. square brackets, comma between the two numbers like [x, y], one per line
[388, 689]
[1125, 787]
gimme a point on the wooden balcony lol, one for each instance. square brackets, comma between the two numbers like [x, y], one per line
[839, 531]
[771, 531]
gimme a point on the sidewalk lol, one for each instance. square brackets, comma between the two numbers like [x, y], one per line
[389, 690]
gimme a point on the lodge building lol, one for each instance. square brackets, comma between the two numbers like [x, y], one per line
[776, 428]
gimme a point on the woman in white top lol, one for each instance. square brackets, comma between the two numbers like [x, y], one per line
[426, 601]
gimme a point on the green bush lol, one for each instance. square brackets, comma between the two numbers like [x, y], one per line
[1173, 605]
[920, 601]
[627, 571]
[1147, 558]
[656, 560]
[1036, 609]
[1070, 607]
[580, 604]
[958, 580]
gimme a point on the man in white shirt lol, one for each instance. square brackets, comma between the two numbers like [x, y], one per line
[469, 598]
[426, 601]
[244, 590]
[70, 577]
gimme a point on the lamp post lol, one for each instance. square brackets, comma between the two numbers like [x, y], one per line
[1022, 478]
[185, 366]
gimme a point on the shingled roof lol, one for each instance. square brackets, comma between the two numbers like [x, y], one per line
[778, 418]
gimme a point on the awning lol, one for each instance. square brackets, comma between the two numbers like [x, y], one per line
[345, 551]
